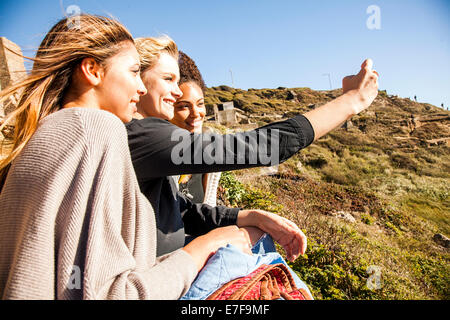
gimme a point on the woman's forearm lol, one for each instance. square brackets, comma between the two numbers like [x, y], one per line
[334, 113]
[203, 247]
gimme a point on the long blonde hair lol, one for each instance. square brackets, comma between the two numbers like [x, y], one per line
[66, 44]
[150, 50]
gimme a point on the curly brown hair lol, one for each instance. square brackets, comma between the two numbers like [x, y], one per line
[189, 71]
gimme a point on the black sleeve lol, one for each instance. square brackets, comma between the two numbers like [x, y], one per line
[159, 148]
[200, 218]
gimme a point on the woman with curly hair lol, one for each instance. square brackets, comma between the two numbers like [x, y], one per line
[189, 114]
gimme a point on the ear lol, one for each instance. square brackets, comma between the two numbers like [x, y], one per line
[91, 71]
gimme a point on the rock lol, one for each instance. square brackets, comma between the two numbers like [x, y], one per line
[7, 132]
[291, 95]
[347, 216]
[441, 240]
[347, 125]
[226, 88]
[268, 171]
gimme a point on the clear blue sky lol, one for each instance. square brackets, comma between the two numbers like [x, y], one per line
[268, 44]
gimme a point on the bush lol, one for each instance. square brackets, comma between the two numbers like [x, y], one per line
[317, 162]
[329, 274]
[246, 197]
[340, 175]
[434, 272]
[367, 219]
[233, 190]
[403, 161]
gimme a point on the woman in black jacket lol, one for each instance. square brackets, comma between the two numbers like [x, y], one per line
[154, 140]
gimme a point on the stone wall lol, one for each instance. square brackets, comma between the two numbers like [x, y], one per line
[12, 69]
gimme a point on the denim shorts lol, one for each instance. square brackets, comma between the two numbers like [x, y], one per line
[229, 263]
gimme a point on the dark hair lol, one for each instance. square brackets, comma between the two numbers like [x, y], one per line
[189, 71]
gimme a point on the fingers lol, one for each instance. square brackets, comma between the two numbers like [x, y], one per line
[367, 64]
[304, 243]
[295, 243]
[300, 244]
[287, 234]
[294, 250]
[366, 71]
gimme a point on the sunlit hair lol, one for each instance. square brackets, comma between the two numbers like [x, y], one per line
[150, 50]
[66, 44]
[189, 71]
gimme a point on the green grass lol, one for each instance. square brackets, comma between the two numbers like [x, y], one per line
[340, 255]
[434, 211]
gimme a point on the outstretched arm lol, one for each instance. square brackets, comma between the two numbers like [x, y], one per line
[153, 146]
[359, 92]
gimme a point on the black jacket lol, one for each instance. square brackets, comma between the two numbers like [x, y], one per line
[151, 141]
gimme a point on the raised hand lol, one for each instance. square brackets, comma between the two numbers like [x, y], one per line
[365, 84]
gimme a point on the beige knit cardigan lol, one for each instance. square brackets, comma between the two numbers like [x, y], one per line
[73, 222]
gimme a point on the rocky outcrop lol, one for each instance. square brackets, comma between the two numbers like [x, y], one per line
[441, 240]
[12, 69]
[344, 215]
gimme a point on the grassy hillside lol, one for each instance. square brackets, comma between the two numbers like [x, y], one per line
[369, 197]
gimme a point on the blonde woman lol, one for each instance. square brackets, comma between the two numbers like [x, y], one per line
[151, 139]
[73, 222]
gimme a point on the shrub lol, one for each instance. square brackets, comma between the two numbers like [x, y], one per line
[434, 272]
[233, 190]
[237, 194]
[403, 161]
[367, 219]
[317, 162]
[329, 274]
[340, 175]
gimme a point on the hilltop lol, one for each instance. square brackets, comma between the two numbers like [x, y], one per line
[372, 196]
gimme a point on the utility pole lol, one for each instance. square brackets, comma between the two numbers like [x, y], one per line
[232, 80]
[329, 79]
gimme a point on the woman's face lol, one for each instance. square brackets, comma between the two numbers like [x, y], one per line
[121, 86]
[161, 82]
[190, 108]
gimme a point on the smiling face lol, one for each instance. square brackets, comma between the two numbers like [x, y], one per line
[190, 110]
[121, 85]
[161, 82]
